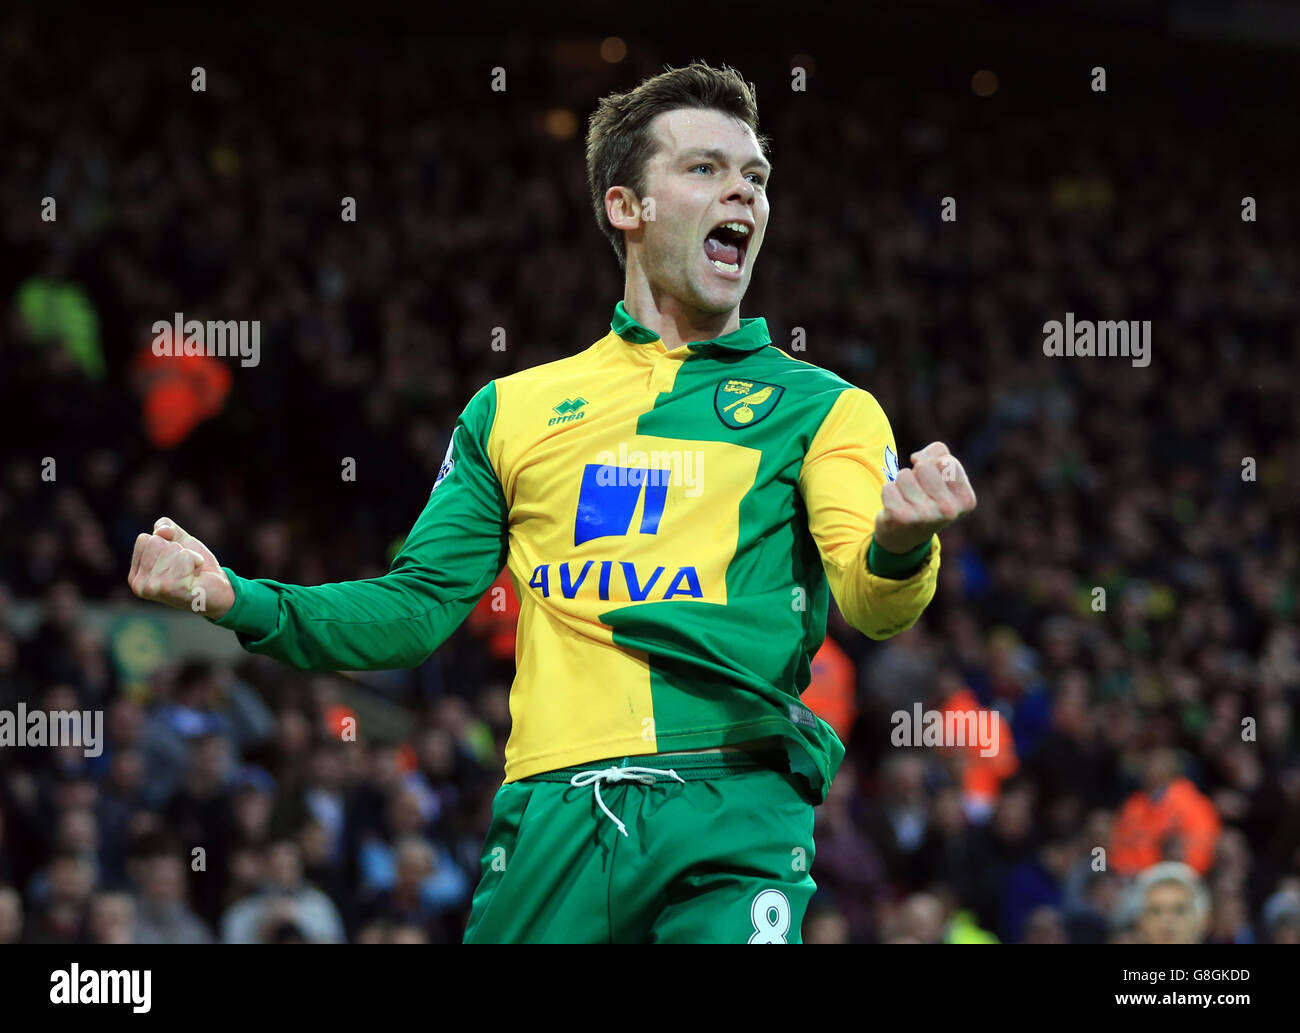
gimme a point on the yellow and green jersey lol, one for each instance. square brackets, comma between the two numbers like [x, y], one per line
[674, 522]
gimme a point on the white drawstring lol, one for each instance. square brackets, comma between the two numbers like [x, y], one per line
[646, 776]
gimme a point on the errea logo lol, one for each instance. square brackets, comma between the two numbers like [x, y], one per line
[568, 411]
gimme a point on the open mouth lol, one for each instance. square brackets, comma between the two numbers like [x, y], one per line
[725, 247]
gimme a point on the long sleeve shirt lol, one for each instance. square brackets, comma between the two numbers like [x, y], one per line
[675, 522]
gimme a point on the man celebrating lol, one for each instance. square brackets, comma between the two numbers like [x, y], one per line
[674, 503]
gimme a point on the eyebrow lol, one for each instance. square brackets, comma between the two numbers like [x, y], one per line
[721, 158]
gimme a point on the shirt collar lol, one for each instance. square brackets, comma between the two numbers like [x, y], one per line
[751, 336]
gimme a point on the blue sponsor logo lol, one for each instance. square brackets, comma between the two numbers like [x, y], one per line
[607, 504]
[620, 580]
[608, 499]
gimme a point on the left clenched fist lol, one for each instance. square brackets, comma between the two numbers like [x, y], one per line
[923, 499]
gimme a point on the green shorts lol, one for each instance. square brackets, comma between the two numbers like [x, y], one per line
[702, 848]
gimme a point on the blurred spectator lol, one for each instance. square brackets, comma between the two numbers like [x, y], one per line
[1282, 917]
[832, 692]
[285, 909]
[1045, 925]
[897, 824]
[161, 914]
[11, 915]
[60, 315]
[984, 762]
[180, 392]
[62, 917]
[849, 869]
[918, 919]
[1168, 819]
[434, 883]
[1033, 886]
[1173, 905]
[112, 919]
[825, 925]
[424, 886]
[384, 932]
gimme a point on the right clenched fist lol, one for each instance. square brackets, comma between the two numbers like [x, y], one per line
[173, 567]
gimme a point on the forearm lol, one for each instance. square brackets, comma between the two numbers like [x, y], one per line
[385, 623]
[875, 599]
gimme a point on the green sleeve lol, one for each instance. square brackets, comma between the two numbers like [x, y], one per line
[454, 552]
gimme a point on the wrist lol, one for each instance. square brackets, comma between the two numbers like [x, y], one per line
[898, 539]
[221, 600]
[897, 566]
[222, 605]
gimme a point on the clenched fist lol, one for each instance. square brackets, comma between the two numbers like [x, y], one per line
[173, 567]
[923, 499]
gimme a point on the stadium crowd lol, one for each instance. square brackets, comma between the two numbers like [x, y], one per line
[1125, 597]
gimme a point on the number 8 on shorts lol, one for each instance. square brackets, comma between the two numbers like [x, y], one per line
[770, 914]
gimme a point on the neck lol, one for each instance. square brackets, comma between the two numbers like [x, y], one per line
[675, 323]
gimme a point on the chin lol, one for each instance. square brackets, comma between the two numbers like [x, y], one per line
[717, 300]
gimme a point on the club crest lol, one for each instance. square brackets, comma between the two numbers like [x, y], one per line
[743, 403]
